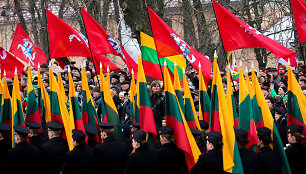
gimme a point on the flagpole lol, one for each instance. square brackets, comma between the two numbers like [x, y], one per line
[161, 71]
[223, 45]
[92, 59]
[301, 48]
[45, 14]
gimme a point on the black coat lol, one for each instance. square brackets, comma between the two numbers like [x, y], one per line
[143, 161]
[158, 107]
[38, 140]
[172, 159]
[53, 155]
[81, 160]
[111, 156]
[24, 158]
[210, 163]
[249, 161]
[269, 161]
[5, 146]
[92, 143]
[296, 155]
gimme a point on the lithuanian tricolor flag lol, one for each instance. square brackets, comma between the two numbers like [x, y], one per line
[231, 99]
[256, 109]
[63, 61]
[75, 112]
[204, 100]
[89, 114]
[214, 121]
[6, 107]
[231, 157]
[132, 97]
[44, 105]
[59, 111]
[178, 89]
[102, 105]
[150, 60]
[296, 102]
[190, 112]
[17, 112]
[269, 123]
[110, 107]
[246, 119]
[32, 113]
[176, 120]
[60, 84]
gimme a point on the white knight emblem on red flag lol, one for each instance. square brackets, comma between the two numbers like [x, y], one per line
[28, 50]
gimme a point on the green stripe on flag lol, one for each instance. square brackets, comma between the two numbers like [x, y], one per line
[171, 106]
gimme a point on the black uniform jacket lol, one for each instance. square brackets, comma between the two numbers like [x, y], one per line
[269, 161]
[249, 161]
[24, 158]
[296, 155]
[5, 146]
[172, 159]
[209, 163]
[111, 156]
[143, 161]
[53, 155]
[38, 140]
[81, 160]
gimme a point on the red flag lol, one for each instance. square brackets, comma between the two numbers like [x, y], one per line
[8, 62]
[99, 37]
[236, 34]
[169, 43]
[23, 47]
[70, 43]
[299, 13]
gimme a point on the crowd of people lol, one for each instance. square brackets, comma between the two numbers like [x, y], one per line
[35, 152]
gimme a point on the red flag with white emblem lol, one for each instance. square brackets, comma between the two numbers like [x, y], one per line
[8, 62]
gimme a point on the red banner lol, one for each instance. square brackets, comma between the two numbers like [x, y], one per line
[8, 62]
[299, 13]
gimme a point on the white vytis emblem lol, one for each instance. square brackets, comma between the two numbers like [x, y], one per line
[184, 48]
[28, 50]
[3, 52]
[79, 39]
[115, 45]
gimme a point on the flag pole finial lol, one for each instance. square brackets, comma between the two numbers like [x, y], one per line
[229, 67]
[215, 54]
[246, 69]
[4, 73]
[165, 63]
[15, 73]
[175, 63]
[38, 65]
[289, 64]
[183, 70]
[199, 65]
[107, 69]
[132, 72]
[69, 69]
[252, 66]
[240, 63]
[101, 65]
[139, 54]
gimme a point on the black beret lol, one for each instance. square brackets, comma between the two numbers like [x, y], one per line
[295, 128]
[106, 125]
[115, 76]
[214, 136]
[204, 125]
[90, 129]
[124, 82]
[33, 125]
[241, 133]
[5, 127]
[136, 125]
[264, 131]
[166, 130]
[73, 62]
[54, 125]
[279, 110]
[195, 132]
[139, 135]
[78, 135]
[21, 130]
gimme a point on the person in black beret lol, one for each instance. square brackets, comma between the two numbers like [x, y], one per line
[269, 161]
[112, 153]
[172, 157]
[143, 160]
[5, 143]
[211, 162]
[35, 137]
[26, 156]
[125, 86]
[199, 138]
[81, 159]
[296, 152]
[54, 151]
[91, 131]
[248, 157]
